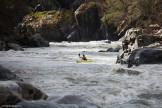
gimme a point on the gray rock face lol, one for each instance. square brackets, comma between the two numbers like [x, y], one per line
[6, 74]
[88, 21]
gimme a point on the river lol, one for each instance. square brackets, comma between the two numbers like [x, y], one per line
[54, 70]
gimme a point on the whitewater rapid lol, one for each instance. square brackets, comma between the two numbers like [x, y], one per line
[54, 70]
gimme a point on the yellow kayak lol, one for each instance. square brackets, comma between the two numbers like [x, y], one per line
[79, 61]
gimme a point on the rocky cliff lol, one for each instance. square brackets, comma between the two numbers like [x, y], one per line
[75, 20]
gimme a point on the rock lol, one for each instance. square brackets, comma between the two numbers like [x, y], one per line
[12, 92]
[39, 104]
[150, 95]
[108, 41]
[134, 38]
[54, 25]
[40, 42]
[145, 56]
[114, 49]
[81, 103]
[35, 40]
[6, 74]
[88, 21]
[122, 57]
[15, 47]
[126, 71]
[29, 92]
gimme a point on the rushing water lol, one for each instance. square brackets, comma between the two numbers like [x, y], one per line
[55, 72]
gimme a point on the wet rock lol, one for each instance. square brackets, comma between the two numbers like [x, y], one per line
[151, 96]
[10, 93]
[145, 56]
[88, 21]
[126, 71]
[122, 57]
[113, 49]
[116, 49]
[6, 74]
[29, 92]
[15, 47]
[75, 100]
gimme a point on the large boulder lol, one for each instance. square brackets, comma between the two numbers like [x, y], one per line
[145, 56]
[6, 74]
[29, 92]
[75, 100]
[88, 22]
[12, 92]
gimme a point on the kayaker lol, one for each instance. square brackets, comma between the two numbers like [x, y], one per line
[82, 56]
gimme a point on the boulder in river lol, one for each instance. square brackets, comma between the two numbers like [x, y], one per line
[12, 92]
[75, 100]
[145, 56]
